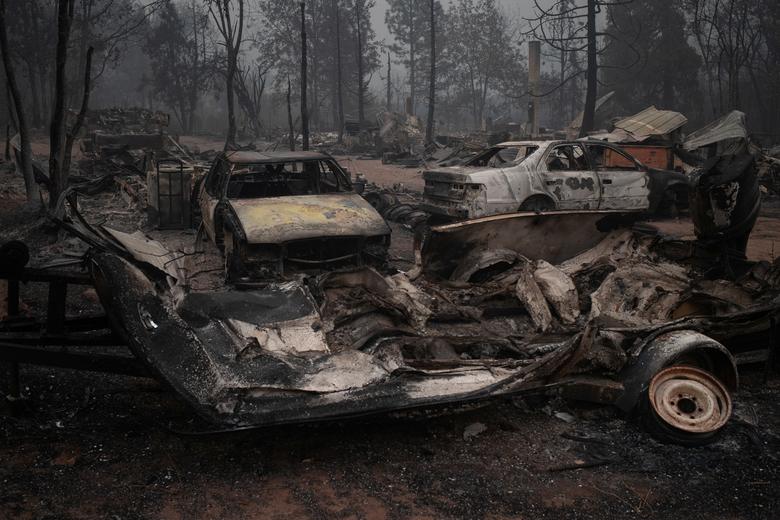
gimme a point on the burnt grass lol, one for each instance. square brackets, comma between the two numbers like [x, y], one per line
[88, 445]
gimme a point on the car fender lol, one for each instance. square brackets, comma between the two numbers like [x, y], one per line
[665, 350]
[509, 186]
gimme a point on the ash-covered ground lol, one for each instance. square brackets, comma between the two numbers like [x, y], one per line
[85, 445]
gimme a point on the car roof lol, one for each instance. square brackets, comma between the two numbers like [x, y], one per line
[560, 141]
[247, 157]
[523, 143]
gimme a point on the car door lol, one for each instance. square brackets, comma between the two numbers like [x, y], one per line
[624, 182]
[209, 195]
[569, 178]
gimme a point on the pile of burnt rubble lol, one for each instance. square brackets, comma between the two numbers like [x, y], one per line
[492, 307]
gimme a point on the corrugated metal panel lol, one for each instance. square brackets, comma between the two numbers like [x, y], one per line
[652, 122]
[730, 126]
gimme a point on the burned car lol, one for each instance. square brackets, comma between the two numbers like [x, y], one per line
[549, 175]
[274, 212]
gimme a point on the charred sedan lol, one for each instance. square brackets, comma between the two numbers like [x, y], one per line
[547, 176]
[274, 213]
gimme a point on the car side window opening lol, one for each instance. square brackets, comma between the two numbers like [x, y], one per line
[284, 179]
[567, 157]
[606, 158]
[498, 157]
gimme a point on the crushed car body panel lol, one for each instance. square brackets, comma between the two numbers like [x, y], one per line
[526, 234]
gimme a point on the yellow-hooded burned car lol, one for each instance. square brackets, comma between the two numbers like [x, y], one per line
[275, 213]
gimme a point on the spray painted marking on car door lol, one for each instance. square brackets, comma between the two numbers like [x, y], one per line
[570, 179]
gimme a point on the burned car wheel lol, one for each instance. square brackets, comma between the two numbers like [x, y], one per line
[537, 203]
[685, 405]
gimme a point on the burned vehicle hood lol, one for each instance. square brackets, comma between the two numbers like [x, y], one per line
[283, 219]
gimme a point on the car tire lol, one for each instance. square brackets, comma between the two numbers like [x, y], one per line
[685, 405]
[234, 269]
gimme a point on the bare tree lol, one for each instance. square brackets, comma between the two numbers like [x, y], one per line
[181, 69]
[304, 83]
[432, 79]
[31, 188]
[73, 132]
[61, 138]
[487, 60]
[361, 84]
[339, 75]
[583, 38]
[58, 175]
[389, 86]
[728, 35]
[250, 87]
[231, 32]
[290, 124]
[407, 20]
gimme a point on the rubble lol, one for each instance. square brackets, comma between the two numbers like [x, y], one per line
[361, 340]
[491, 308]
[117, 120]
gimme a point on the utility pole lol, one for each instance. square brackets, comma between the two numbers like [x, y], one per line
[534, 65]
[589, 114]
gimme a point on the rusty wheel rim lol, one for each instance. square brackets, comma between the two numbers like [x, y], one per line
[690, 399]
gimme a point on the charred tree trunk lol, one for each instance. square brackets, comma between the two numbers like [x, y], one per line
[74, 131]
[232, 35]
[339, 78]
[412, 58]
[361, 85]
[31, 188]
[58, 175]
[432, 88]
[289, 116]
[42, 69]
[304, 83]
[589, 114]
[230, 138]
[34, 96]
[388, 99]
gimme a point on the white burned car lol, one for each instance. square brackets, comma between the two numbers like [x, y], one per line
[547, 176]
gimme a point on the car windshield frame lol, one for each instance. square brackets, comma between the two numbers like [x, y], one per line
[286, 178]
